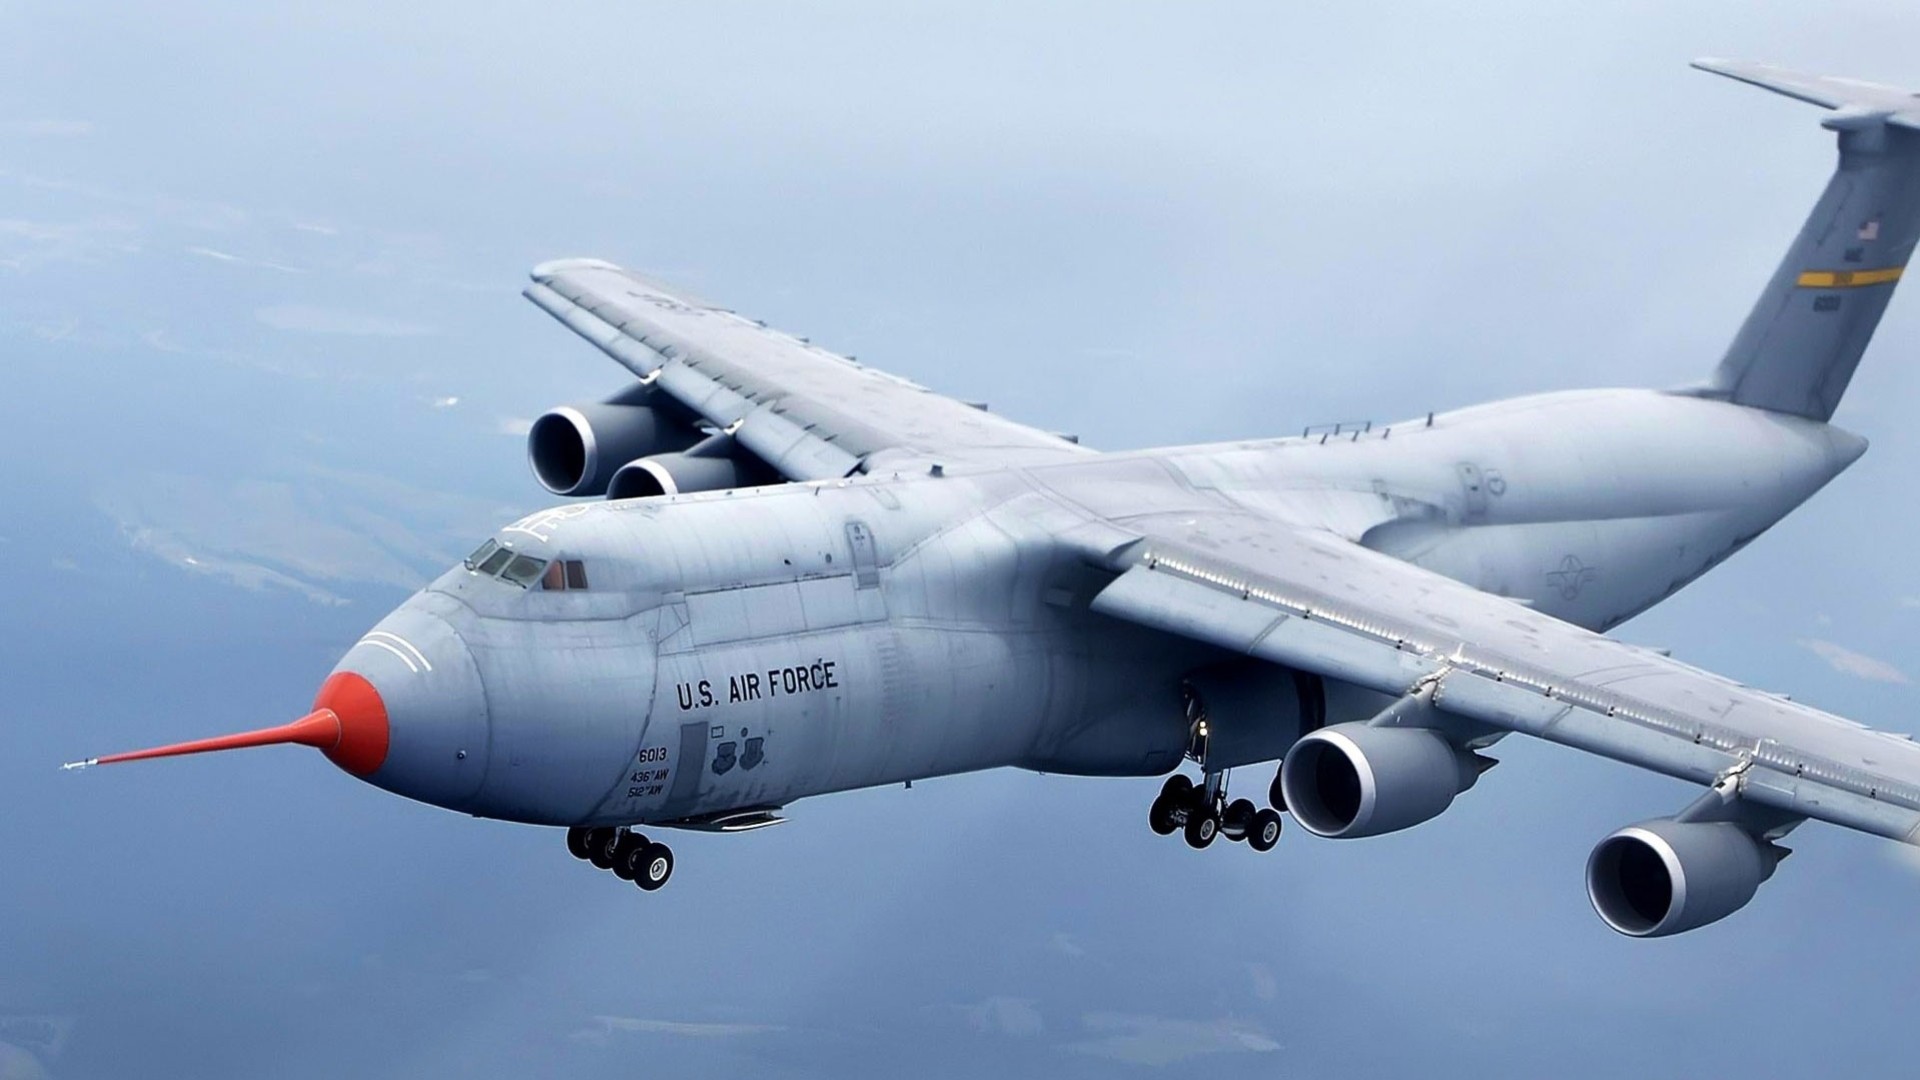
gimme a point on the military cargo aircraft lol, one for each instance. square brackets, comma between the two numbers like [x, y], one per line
[811, 576]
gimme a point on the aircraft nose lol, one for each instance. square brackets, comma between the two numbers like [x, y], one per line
[413, 713]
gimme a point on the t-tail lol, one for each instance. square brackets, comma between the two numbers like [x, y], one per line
[1798, 348]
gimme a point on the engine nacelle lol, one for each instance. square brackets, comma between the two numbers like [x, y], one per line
[577, 449]
[1352, 780]
[1663, 876]
[671, 474]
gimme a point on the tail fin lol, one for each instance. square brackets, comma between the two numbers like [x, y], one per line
[1798, 348]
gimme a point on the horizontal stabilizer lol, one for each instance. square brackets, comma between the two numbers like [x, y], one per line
[1857, 101]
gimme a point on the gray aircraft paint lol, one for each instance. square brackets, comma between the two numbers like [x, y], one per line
[940, 590]
[974, 648]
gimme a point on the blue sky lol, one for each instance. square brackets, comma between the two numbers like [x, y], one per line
[258, 277]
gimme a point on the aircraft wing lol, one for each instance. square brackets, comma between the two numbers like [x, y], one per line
[1315, 602]
[809, 413]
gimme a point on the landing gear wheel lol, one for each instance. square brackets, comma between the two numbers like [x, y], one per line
[577, 842]
[600, 847]
[624, 849]
[1265, 832]
[1202, 827]
[1237, 822]
[650, 865]
[1160, 815]
[1177, 791]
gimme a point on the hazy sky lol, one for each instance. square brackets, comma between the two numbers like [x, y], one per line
[267, 365]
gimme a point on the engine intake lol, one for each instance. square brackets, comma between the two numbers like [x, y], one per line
[671, 474]
[577, 449]
[1353, 780]
[1664, 876]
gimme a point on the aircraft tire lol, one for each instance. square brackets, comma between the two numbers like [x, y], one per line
[1202, 827]
[1177, 791]
[1265, 831]
[1160, 815]
[625, 850]
[600, 844]
[577, 842]
[1237, 822]
[652, 865]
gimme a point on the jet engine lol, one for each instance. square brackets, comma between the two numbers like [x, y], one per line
[710, 466]
[577, 449]
[1354, 779]
[1664, 876]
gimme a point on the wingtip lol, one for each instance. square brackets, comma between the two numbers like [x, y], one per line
[547, 269]
[1720, 65]
[76, 766]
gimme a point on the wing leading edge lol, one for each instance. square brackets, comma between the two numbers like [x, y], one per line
[1315, 602]
[809, 413]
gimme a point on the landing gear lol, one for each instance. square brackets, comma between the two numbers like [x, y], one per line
[1237, 820]
[631, 856]
[1200, 812]
[1202, 827]
[1168, 812]
[1266, 830]
[629, 845]
[601, 845]
[650, 865]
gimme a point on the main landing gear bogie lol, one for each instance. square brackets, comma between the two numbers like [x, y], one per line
[1202, 814]
[631, 856]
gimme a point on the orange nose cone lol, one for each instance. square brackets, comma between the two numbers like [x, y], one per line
[362, 744]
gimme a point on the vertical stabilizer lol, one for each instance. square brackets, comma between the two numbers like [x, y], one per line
[1799, 347]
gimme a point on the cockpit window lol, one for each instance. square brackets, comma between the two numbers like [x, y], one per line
[480, 554]
[492, 564]
[524, 570]
[570, 574]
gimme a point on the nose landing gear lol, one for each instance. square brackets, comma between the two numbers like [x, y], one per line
[631, 856]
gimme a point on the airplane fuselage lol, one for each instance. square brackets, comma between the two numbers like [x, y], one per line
[747, 648]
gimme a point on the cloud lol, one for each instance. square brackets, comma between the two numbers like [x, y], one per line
[316, 228]
[602, 1028]
[447, 402]
[302, 533]
[47, 128]
[1064, 944]
[25, 243]
[1158, 1040]
[318, 320]
[516, 426]
[1265, 986]
[241, 260]
[1847, 662]
[1005, 1016]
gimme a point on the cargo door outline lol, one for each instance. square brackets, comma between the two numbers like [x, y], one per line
[688, 767]
[1473, 485]
[866, 571]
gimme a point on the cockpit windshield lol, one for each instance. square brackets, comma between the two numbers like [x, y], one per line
[492, 564]
[480, 554]
[494, 559]
[524, 570]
